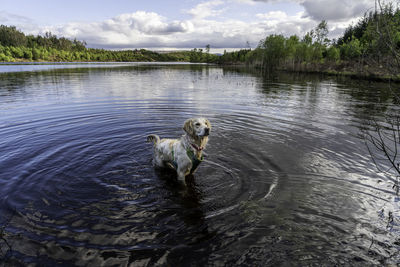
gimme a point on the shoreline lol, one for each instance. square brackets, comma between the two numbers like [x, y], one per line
[345, 69]
[350, 74]
[363, 73]
[371, 72]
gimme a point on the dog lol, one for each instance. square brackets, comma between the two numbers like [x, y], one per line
[184, 154]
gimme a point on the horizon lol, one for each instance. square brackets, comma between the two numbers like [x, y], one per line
[180, 25]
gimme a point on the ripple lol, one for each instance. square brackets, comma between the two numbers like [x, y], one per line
[285, 174]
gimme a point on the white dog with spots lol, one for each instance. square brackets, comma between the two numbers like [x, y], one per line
[184, 154]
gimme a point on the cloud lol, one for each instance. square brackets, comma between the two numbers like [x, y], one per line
[327, 9]
[208, 23]
[138, 29]
[279, 22]
[150, 30]
[206, 9]
[335, 10]
[143, 22]
[21, 22]
[273, 15]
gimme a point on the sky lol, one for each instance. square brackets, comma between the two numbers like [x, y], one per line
[179, 24]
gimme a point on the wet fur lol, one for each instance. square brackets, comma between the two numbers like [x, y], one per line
[166, 151]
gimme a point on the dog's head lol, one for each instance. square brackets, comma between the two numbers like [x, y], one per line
[198, 127]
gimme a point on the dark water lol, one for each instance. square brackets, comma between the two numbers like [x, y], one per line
[286, 181]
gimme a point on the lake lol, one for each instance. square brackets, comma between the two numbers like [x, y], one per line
[287, 179]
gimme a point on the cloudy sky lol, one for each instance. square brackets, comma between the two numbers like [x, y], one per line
[178, 24]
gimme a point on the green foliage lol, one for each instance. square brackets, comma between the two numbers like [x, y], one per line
[10, 36]
[302, 52]
[273, 50]
[374, 40]
[5, 58]
[15, 46]
[235, 57]
[351, 50]
[321, 33]
[40, 53]
[28, 54]
[198, 56]
[292, 45]
[317, 52]
[333, 54]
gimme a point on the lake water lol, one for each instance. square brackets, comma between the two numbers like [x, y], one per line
[286, 180]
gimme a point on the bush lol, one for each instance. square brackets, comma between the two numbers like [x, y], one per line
[17, 52]
[351, 50]
[28, 54]
[333, 54]
[5, 58]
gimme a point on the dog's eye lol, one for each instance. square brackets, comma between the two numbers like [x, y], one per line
[197, 124]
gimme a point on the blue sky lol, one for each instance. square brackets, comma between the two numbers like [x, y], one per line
[173, 24]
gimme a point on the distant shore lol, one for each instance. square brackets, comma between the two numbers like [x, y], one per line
[365, 72]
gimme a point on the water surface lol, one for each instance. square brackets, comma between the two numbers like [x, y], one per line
[287, 178]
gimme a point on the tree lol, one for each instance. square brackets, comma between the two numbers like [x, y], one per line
[208, 48]
[321, 33]
[351, 50]
[248, 45]
[333, 54]
[10, 36]
[273, 51]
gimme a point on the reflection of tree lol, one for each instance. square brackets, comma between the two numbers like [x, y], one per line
[5, 247]
[383, 141]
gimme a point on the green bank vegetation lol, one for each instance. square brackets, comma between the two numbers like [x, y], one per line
[15, 46]
[369, 48]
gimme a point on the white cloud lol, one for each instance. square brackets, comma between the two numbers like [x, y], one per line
[273, 15]
[139, 29]
[278, 22]
[249, 2]
[208, 23]
[206, 9]
[150, 30]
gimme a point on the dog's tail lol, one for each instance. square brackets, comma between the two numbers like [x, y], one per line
[153, 138]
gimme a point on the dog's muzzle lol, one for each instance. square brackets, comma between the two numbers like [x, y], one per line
[206, 131]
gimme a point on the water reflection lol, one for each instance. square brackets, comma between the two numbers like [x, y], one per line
[286, 180]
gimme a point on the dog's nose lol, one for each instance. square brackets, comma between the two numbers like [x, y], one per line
[206, 131]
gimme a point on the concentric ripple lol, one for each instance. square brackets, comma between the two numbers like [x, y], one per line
[286, 178]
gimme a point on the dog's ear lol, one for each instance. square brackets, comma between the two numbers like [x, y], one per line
[188, 127]
[208, 124]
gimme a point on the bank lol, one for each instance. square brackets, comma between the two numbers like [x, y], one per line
[344, 68]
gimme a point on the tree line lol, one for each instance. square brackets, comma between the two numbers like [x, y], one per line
[16, 46]
[372, 44]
